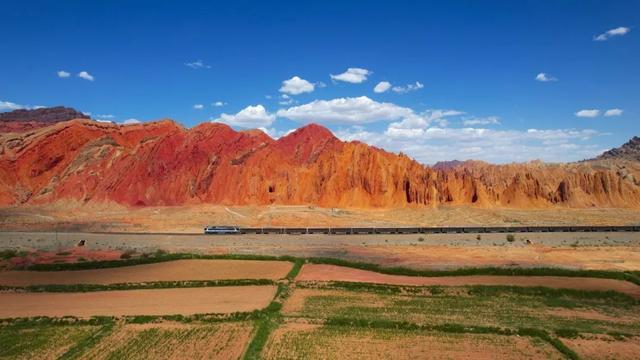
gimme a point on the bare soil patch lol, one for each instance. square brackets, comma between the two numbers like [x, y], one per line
[604, 347]
[178, 270]
[295, 341]
[174, 341]
[321, 272]
[185, 301]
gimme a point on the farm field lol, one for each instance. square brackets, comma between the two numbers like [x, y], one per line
[303, 341]
[188, 301]
[310, 309]
[126, 341]
[324, 272]
[179, 270]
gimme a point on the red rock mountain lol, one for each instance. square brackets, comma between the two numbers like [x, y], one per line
[162, 163]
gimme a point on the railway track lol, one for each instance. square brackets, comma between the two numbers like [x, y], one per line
[405, 230]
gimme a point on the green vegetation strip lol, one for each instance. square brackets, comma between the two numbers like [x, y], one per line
[137, 286]
[480, 290]
[630, 276]
[454, 328]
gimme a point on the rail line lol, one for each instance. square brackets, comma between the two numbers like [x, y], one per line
[437, 230]
[391, 230]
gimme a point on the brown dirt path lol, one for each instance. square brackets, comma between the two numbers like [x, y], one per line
[321, 272]
[185, 301]
[167, 271]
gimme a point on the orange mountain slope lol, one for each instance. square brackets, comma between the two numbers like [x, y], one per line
[162, 163]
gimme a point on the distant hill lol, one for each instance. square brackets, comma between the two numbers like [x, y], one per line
[628, 151]
[24, 120]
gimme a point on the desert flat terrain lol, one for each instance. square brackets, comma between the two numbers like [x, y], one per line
[70, 216]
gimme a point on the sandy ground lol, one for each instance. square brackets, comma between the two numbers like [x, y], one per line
[185, 301]
[321, 272]
[70, 216]
[302, 341]
[617, 251]
[167, 271]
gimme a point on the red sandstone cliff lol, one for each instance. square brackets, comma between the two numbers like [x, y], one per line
[162, 163]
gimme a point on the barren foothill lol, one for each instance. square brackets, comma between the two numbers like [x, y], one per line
[185, 301]
[178, 270]
[73, 216]
[322, 272]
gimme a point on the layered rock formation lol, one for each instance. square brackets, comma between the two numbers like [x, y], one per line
[162, 163]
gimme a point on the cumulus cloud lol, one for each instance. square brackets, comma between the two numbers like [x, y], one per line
[407, 88]
[545, 78]
[619, 31]
[218, 103]
[296, 86]
[63, 74]
[430, 144]
[131, 121]
[9, 106]
[357, 110]
[613, 112]
[105, 116]
[198, 64]
[249, 117]
[198, 106]
[588, 113]
[489, 120]
[382, 87]
[85, 75]
[352, 75]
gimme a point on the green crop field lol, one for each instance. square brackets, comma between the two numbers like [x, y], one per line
[551, 310]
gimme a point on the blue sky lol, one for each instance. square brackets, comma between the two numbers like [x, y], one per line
[462, 74]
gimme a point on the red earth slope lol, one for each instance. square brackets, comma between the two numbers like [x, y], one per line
[162, 163]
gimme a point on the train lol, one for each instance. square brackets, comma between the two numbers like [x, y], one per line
[222, 230]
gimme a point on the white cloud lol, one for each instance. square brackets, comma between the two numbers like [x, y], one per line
[85, 75]
[382, 87]
[63, 74]
[104, 116]
[131, 121]
[545, 78]
[489, 120]
[619, 31]
[430, 144]
[320, 84]
[296, 86]
[353, 75]
[588, 113]
[249, 117]
[408, 88]
[198, 107]
[198, 64]
[276, 134]
[9, 106]
[356, 110]
[613, 112]
[218, 103]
